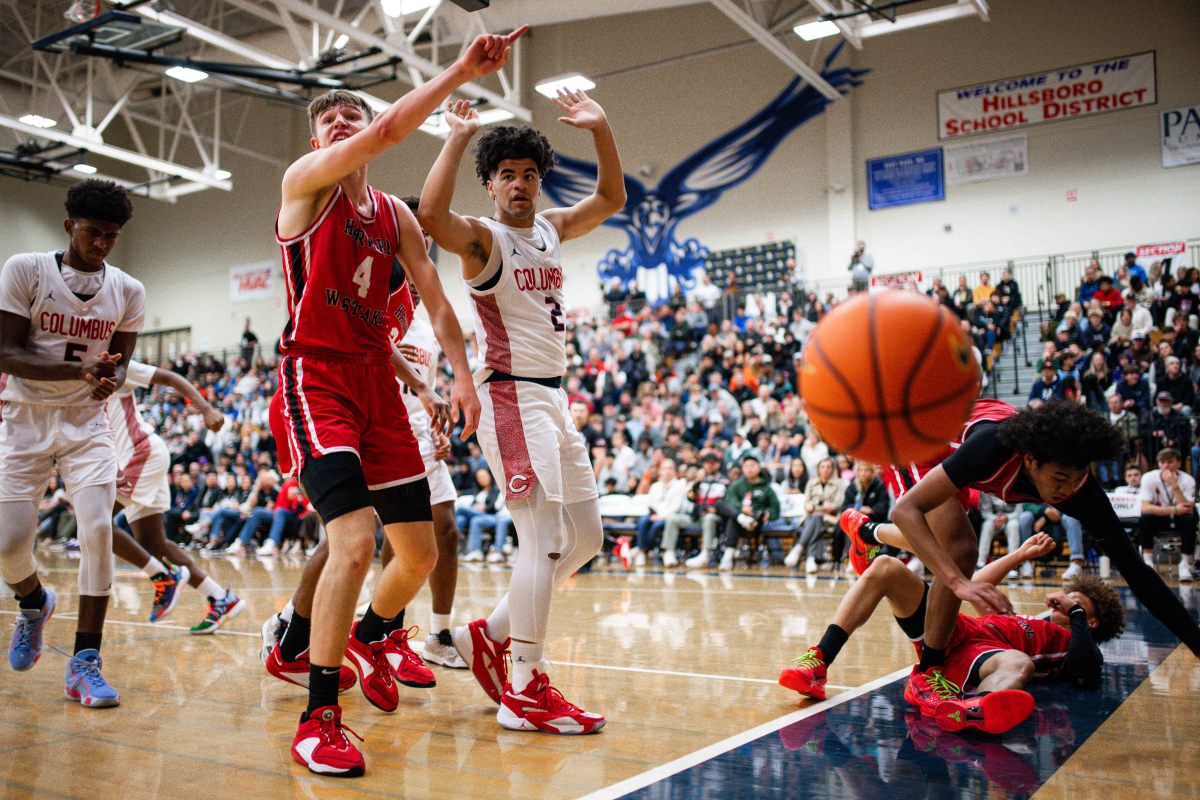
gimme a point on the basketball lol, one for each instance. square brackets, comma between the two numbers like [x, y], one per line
[889, 377]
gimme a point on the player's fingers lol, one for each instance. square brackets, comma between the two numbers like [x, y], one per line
[517, 34]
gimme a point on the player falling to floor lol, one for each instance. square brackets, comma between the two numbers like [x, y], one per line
[68, 324]
[346, 423]
[286, 635]
[143, 490]
[513, 270]
[993, 657]
[1036, 455]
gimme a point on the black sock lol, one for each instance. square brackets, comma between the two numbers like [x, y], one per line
[372, 627]
[832, 642]
[295, 637]
[394, 624]
[34, 600]
[86, 641]
[867, 533]
[322, 687]
[932, 657]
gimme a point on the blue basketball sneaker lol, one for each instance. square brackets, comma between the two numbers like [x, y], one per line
[26, 646]
[167, 587]
[85, 683]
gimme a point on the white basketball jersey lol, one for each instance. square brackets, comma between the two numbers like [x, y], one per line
[124, 417]
[517, 301]
[420, 337]
[63, 327]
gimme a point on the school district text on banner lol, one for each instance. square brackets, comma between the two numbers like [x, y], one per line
[1062, 93]
[906, 178]
[968, 162]
[251, 281]
[1181, 136]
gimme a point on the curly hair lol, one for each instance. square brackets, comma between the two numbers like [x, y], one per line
[1061, 433]
[1110, 615]
[512, 141]
[97, 199]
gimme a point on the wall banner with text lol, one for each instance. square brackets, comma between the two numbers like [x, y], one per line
[968, 162]
[251, 281]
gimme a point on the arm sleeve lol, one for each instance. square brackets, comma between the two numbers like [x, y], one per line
[1083, 661]
[1094, 511]
[139, 374]
[977, 458]
[135, 308]
[18, 285]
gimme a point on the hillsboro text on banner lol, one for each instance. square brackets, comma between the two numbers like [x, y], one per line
[1062, 93]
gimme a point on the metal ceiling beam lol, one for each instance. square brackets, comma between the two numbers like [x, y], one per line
[848, 33]
[119, 153]
[776, 48]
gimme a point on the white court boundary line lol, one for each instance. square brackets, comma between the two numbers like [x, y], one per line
[697, 757]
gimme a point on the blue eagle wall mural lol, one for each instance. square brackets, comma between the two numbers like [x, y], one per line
[655, 258]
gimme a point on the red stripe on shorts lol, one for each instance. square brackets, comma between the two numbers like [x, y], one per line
[510, 436]
[499, 349]
[127, 478]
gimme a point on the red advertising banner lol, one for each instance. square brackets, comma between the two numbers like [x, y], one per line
[1114, 84]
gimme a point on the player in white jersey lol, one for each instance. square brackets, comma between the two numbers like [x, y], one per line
[513, 270]
[143, 490]
[68, 323]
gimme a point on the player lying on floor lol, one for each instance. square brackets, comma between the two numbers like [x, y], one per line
[992, 656]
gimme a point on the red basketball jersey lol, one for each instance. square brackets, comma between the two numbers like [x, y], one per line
[400, 305]
[339, 276]
[1040, 639]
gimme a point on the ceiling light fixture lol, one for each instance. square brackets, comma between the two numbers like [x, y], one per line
[341, 41]
[38, 121]
[401, 8]
[816, 30]
[86, 169]
[572, 83]
[187, 74]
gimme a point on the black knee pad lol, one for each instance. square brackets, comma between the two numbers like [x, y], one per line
[914, 626]
[335, 485]
[408, 502]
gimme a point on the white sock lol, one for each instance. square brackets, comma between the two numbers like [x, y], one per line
[439, 623]
[154, 567]
[286, 614]
[210, 588]
[526, 658]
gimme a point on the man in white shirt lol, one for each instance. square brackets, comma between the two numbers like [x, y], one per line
[1168, 496]
[666, 497]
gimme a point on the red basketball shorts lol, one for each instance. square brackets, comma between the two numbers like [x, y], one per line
[347, 407]
[899, 478]
[969, 642]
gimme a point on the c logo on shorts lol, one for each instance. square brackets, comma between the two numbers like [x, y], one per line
[517, 484]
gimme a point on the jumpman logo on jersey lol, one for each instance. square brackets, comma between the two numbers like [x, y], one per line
[514, 252]
[50, 295]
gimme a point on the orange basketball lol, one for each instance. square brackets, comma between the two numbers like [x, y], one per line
[889, 377]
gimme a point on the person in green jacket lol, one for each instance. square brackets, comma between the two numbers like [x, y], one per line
[749, 504]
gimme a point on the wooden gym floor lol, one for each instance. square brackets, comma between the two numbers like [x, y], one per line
[683, 665]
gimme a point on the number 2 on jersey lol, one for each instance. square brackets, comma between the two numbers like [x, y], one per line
[362, 277]
[556, 315]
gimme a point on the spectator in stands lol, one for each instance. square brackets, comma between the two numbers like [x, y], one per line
[1095, 331]
[1178, 385]
[1186, 339]
[1168, 496]
[1090, 284]
[248, 344]
[1121, 335]
[291, 506]
[1095, 382]
[708, 295]
[1139, 351]
[1010, 290]
[1068, 331]
[1110, 298]
[822, 502]
[963, 298]
[1048, 386]
[1168, 427]
[749, 504]
[486, 512]
[814, 450]
[1135, 270]
[985, 327]
[1181, 303]
[862, 264]
[666, 497]
[257, 512]
[796, 479]
[984, 290]
[866, 493]
[194, 451]
[997, 516]
[1125, 421]
[1143, 295]
[705, 492]
[1133, 480]
[1049, 520]
[1134, 392]
[55, 517]
[184, 510]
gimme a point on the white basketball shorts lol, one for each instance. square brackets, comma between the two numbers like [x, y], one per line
[35, 438]
[142, 486]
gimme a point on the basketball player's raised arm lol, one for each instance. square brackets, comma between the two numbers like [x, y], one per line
[909, 515]
[580, 111]
[464, 402]
[214, 420]
[322, 168]
[1035, 546]
[466, 237]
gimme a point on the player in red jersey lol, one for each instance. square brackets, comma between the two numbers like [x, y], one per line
[1035, 455]
[347, 430]
[994, 656]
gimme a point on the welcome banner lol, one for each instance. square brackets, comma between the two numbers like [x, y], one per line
[1114, 84]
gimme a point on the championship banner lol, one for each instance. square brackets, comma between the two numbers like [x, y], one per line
[251, 282]
[906, 178]
[1181, 136]
[969, 162]
[1062, 93]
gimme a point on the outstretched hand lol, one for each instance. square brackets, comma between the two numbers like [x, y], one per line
[1036, 546]
[489, 52]
[462, 118]
[579, 110]
[986, 598]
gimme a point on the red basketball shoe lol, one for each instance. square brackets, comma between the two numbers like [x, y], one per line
[483, 656]
[927, 690]
[406, 665]
[808, 676]
[321, 744]
[374, 672]
[990, 712]
[541, 707]
[861, 553]
[297, 671]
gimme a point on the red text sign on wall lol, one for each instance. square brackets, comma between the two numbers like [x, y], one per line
[251, 281]
[1057, 94]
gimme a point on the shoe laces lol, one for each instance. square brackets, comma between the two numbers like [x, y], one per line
[83, 668]
[400, 638]
[161, 586]
[809, 659]
[552, 698]
[23, 638]
[334, 731]
[943, 686]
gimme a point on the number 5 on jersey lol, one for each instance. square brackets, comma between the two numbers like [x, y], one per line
[556, 314]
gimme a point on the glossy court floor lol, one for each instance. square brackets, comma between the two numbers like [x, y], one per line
[683, 665]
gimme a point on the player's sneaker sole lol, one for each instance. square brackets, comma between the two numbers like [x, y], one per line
[800, 681]
[234, 610]
[479, 653]
[992, 712]
[510, 721]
